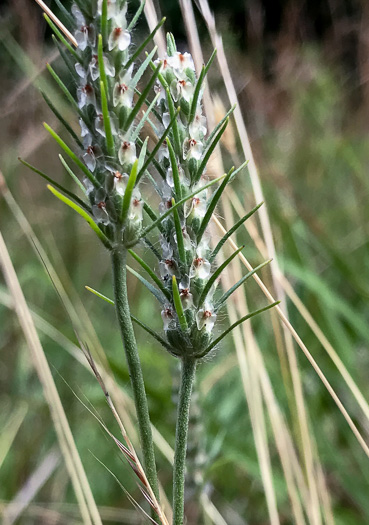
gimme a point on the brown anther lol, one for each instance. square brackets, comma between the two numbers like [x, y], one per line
[168, 204]
[88, 89]
[196, 201]
[185, 292]
[126, 145]
[198, 261]
[181, 57]
[101, 117]
[136, 202]
[169, 262]
[207, 314]
[118, 175]
[101, 205]
[95, 57]
[90, 150]
[168, 312]
[122, 88]
[182, 82]
[165, 63]
[117, 32]
[192, 143]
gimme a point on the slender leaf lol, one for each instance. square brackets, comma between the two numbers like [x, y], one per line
[179, 203]
[199, 83]
[157, 146]
[72, 174]
[227, 294]
[179, 234]
[104, 20]
[72, 155]
[144, 44]
[144, 119]
[128, 193]
[83, 214]
[172, 113]
[212, 205]
[156, 293]
[175, 170]
[98, 294]
[230, 232]
[141, 70]
[57, 185]
[61, 37]
[178, 305]
[152, 274]
[216, 274]
[237, 323]
[61, 119]
[210, 150]
[142, 98]
[110, 146]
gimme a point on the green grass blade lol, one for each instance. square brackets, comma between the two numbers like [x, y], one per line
[141, 70]
[104, 20]
[83, 214]
[64, 88]
[144, 119]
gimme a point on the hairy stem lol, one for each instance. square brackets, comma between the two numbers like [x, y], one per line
[187, 378]
[119, 257]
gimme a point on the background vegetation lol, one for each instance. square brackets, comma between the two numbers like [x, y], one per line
[301, 71]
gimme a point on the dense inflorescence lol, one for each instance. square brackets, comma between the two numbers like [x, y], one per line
[106, 82]
[187, 265]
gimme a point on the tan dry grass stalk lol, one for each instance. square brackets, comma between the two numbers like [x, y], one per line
[89, 511]
[56, 20]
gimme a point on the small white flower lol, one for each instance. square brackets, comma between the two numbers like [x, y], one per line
[136, 207]
[197, 206]
[84, 129]
[158, 88]
[100, 213]
[90, 154]
[182, 89]
[123, 92]
[120, 182]
[185, 295]
[127, 152]
[168, 316]
[163, 152]
[85, 34]
[99, 125]
[205, 318]
[200, 268]
[192, 149]
[112, 8]
[95, 70]
[198, 127]
[81, 72]
[181, 61]
[86, 96]
[167, 267]
[120, 38]
[166, 119]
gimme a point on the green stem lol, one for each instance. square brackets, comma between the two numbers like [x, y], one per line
[119, 259]
[187, 378]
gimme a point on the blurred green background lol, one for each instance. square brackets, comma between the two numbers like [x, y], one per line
[301, 70]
